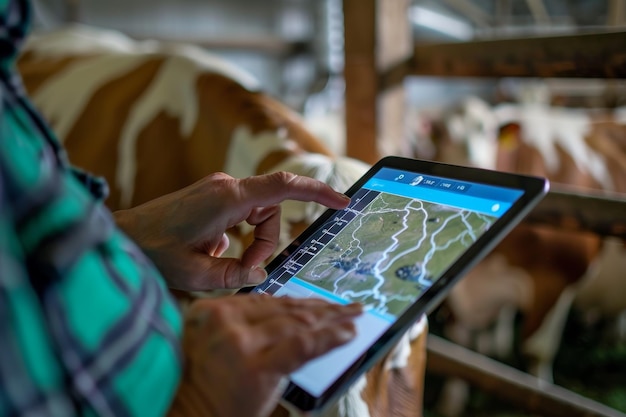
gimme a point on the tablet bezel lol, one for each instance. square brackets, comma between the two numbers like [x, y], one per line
[533, 188]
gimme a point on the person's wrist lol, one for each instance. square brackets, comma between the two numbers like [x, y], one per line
[124, 220]
[189, 401]
[134, 226]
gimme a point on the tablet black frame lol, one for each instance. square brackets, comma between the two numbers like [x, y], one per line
[534, 188]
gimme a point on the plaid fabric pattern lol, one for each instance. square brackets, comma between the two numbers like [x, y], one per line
[87, 326]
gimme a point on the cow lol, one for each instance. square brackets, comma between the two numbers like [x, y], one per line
[153, 117]
[540, 271]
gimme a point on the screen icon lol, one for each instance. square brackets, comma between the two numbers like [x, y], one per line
[430, 182]
[417, 180]
[495, 207]
[399, 177]
[461, 187]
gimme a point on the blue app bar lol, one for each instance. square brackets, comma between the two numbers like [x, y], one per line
[447, 195]
[489, 192]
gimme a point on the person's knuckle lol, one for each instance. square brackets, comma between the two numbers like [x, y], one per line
[304, 344]
[285, 177]
[237, 338]
[199, 307]
[219, 176]
[233, 275]
[307, 317]
[221, 313]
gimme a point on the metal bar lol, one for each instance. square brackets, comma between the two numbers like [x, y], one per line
[503, 12]
[539, 11]
[598, 212]
[273, 45]
[519, 388]
[471, 11]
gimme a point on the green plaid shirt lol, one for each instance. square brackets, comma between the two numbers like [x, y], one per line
[87, 326]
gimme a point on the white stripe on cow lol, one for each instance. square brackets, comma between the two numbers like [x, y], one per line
[64, 97]
[172, 91]
[247, 149]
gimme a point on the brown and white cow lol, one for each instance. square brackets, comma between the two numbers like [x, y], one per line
[153, 117]
[583, 153]
[539, 271]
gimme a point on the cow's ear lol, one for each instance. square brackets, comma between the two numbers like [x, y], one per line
[509, 135]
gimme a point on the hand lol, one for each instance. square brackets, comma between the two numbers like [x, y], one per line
[239, 349]
[183, 232]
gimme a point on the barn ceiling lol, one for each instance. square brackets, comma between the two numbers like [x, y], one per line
[471, 19]
[439, 19]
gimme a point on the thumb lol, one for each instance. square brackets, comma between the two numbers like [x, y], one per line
[232, 273]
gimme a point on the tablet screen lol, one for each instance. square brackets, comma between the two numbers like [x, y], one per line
[401, 231]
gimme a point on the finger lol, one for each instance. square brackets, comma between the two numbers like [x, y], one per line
[256, 308]
[277, 328]
[271, 189]
[266, 235]
[294, 351]
[226, 273]
[303, 311]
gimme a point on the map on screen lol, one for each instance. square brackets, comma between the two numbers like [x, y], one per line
[392, 251]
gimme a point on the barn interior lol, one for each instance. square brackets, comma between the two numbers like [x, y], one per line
[529, 86]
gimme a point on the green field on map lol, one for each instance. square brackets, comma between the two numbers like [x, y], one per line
[392, 252]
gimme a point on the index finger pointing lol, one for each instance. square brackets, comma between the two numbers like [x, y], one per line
[275, 188]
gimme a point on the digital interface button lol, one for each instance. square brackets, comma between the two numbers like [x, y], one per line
[461, 187]
[446, 185]
[430, 182]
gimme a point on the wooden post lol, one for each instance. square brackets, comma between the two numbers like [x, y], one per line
[377, 36]
[616, 15]
[360, 78]
[395, 45]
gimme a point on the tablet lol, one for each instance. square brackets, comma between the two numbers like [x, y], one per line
[412, 229]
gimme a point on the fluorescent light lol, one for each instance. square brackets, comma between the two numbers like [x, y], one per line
[441, 23]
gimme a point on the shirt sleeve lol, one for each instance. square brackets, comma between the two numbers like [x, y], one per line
[97, 186]
[87, 326]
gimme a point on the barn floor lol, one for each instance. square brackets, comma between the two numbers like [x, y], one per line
[591, 361]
